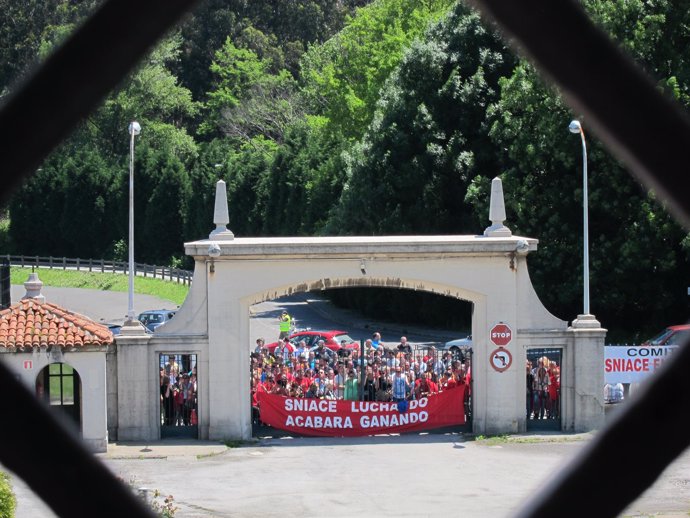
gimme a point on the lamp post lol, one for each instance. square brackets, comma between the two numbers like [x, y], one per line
[134, 130]
[576, 127]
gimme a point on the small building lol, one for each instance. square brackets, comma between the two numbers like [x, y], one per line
[61, 356]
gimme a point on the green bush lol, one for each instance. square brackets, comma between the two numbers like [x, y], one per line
[8, 502]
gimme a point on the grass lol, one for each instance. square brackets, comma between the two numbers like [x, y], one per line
[493, 440]
[167, 290]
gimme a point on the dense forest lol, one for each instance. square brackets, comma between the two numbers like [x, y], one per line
[357, 117]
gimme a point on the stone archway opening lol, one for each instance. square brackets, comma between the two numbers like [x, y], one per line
[407, 339]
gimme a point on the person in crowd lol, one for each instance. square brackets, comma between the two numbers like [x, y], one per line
[541, 390]
[311, 360]
[384, 387]
[302, 351]
[269, 384]
[295, 388]
[369, 385]
[351, 386]
[312, 392]
[178, 403]
[320, 380]
[172, 369]
[328, 393]
[339, 380]
[376, 340]
[435, 363]
[281, 388]
[188, 398]
[404, 346]
[344, 352]
[284, 351]
[167, 400]
[529, 389]
[448, 380]
[284, 325]
[368, 346]
[260, 342]
[424, 387]
[401, 385]
[554, 390]
[306, 380]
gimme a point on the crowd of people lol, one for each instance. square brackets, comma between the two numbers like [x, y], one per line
[543, 388]
[385, 373]
[178, 387]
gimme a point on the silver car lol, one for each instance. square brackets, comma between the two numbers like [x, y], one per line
[455, 346]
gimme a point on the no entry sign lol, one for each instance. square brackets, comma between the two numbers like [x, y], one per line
[501, 335]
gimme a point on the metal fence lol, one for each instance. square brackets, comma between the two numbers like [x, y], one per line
[102, 266]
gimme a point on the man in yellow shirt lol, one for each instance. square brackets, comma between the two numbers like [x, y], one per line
[285, 323]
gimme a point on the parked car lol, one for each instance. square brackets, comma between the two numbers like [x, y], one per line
[155, 318]
[115, 328]
[672, 335]
[332, 339]
[455, 346]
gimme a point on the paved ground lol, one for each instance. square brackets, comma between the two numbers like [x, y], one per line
[417, 475]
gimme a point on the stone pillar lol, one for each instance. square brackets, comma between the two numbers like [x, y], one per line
[588, 373]
[138, 387]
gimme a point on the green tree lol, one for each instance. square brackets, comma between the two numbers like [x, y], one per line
[304, 181]
[161, 200]
[638, 264]
[278, 31]
[344, 75]
[428, 139]
[87, 222]
[29, 29]
[35, 208]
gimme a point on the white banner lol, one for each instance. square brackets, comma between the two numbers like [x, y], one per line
[632, 364]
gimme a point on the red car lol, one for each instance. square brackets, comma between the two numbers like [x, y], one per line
[672, 335]
[332, 339]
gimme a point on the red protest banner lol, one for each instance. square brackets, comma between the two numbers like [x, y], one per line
[322, 417]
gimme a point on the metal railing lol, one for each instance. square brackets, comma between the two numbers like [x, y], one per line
[100, 265]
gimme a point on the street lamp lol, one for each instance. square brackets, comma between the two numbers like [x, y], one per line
[134, 130]
[576, 127]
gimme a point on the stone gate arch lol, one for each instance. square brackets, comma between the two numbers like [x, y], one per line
[488, 270]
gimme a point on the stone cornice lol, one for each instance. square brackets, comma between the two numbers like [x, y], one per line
[359, 247]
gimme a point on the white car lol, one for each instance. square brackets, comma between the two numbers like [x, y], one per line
[455, 346]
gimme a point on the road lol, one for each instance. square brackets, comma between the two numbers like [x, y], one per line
[313, 311]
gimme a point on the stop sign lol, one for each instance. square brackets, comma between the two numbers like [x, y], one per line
[501, 335]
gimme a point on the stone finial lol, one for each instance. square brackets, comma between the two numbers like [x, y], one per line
[221, 216]
[33, 287]
[497, 212]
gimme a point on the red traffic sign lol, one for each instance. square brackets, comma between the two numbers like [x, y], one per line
[501, 359]
[501, 335]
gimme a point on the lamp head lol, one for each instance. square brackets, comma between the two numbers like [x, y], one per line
[214, 250]
[134, 128]
[575, 127]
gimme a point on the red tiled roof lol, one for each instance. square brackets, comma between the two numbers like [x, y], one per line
[30, 323]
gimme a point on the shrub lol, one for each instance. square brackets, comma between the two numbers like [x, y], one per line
[8, 502]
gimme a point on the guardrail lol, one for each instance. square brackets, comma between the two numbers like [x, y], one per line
[100, 265]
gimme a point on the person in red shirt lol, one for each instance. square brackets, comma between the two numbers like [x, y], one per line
[554, 390]
[449, 381]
